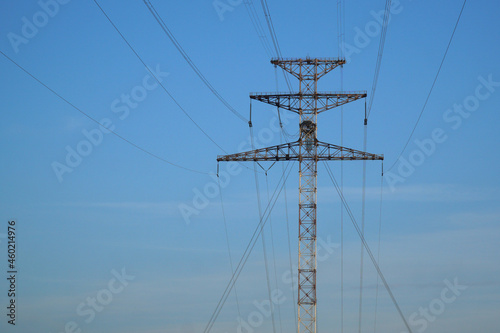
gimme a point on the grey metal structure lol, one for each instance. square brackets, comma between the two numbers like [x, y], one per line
[308, 103]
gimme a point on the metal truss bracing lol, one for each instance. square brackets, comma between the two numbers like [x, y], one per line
[308, 170]
[308, 68]
[290, 152]
[300, 102]
[308, 103]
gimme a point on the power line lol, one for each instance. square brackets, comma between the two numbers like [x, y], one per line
[387, 14]
[269, 20]
[367, 248]
[264, 251]
[378, 248]
[186, 57]
[340, 28]
[363, 210]
[254, 17]
[274, 256]
[157, 80]
[227, 242]
[249, 248]
[97, 122]
[282, 134]
[341, 46]
[372, 96]
[432, 87]
[274, 37]
[289, 248]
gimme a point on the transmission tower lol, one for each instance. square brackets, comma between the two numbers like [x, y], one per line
[308, 150]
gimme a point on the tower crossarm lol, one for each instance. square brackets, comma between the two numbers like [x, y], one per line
[282, 152]
[291, 152]
[306, 103]
[307, 68]
[328, 152]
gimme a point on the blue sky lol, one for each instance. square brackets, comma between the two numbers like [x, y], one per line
[114, 224]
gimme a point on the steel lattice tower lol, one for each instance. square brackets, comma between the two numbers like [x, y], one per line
[308, 103]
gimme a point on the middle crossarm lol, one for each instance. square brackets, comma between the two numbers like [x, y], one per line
[291, 152]
[325, 101]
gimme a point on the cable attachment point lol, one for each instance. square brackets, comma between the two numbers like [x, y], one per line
[366, 121]
[250, 117]
[279, 117]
